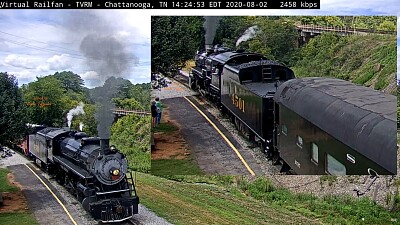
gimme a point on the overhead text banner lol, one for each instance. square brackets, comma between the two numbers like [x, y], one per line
[209, 4]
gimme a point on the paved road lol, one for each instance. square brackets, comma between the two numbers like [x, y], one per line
[211, 151]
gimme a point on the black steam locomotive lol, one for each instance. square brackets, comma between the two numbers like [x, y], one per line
[310, 125]
[89, 168]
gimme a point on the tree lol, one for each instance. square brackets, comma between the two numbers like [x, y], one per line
[231, 28]
[46, 102]
[131, 135]
[276, 39]
[12, 111]
[174, 40]
[87, 119]
[127, 103]
[139, 92]
[70, 81]
[387, 26]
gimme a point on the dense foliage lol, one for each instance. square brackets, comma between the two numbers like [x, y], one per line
[131, 135]
[135, 97]
[366, 60]
[12, 110]
[273, 37]
[45, 101]
[384, 23]
[175, 40]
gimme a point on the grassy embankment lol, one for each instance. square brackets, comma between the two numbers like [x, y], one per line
[366, 60]
[235, 200]
[186, 166]
[13, 218]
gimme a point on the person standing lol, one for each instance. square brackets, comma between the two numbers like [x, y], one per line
[160, 109]
[154, 114]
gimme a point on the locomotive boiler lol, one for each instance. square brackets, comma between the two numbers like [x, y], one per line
[90, 169]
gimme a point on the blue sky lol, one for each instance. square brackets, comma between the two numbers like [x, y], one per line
[41, 42]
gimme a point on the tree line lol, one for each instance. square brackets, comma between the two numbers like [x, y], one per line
[175, 39]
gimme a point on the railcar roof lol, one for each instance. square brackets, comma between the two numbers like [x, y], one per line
[360, 117]
[52, 132]
[266, 62]
[226, 56]
[261, 89]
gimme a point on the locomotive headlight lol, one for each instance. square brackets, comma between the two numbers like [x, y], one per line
[115, 172]
[113, 148]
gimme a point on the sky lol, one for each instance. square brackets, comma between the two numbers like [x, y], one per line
[97, 44]
[94, 44]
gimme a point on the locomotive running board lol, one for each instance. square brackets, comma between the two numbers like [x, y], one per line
[110, 192]
[71, 167]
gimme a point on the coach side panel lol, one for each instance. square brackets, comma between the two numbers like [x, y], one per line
[309, 150]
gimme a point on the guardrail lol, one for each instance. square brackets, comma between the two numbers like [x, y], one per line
[131, 111]
[343, 29]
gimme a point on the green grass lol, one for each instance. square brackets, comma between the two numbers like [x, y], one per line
[17, 219]
[165, 128]
[189, 203]
[175, 167]
[236, 200]
[5, 186]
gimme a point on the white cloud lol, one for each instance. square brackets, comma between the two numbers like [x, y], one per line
[56, 62]
[43, 68]
[90, 75]
[59, 62]
[23, 74]
[19, 61]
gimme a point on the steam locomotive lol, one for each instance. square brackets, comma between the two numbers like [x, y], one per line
[89, 168]
[310, 125]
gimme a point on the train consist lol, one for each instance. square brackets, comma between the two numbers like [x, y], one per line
[309, 125]
[89, 168]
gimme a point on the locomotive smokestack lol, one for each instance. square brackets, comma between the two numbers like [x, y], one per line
[104, 145]
[209, 47]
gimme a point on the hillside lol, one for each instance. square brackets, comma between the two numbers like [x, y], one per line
[366, 60]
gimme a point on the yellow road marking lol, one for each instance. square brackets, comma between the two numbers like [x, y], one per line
[55, 196]
[223, 136]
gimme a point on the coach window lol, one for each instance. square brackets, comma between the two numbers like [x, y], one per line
[284, 129]
[334, 167]
[299, 141]
[314, 153]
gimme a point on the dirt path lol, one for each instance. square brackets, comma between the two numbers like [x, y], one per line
[170, 145]
[13, 201]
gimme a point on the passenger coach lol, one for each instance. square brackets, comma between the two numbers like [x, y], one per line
[331, 126]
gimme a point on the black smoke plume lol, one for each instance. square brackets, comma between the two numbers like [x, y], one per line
[103, 52]
[210, 25]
